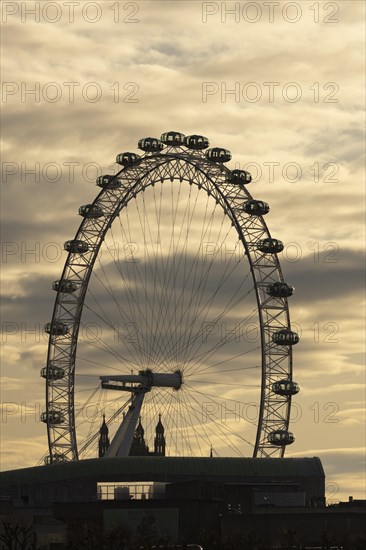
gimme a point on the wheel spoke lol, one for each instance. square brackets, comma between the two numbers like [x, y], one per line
[202, 300]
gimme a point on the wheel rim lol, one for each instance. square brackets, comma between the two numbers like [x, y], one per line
[174, 164]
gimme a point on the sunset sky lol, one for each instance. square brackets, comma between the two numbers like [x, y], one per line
[279, 84]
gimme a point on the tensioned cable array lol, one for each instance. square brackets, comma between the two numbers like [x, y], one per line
[168, 297]
[173, 269]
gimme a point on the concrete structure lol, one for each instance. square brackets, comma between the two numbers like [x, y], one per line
[77, 481]
[270, 499]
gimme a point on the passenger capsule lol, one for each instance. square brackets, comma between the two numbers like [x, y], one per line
[196, 142]
[270, 246]
[65, 286]
[112, 182]
[150, 145]
[77, 247]
[285, 387]
[281, 438]
[173, 138]
[239, 177]
[91, 211]
[52, 417]
[280, 290]
[58, 458]
[256, 208]
[57, 328]
[285, 337]
[126, 159]
[54, 373]
[217, 154]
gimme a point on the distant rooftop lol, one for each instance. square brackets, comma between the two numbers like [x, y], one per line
[169, 469]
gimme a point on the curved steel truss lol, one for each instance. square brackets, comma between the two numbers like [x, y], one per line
[192, 167]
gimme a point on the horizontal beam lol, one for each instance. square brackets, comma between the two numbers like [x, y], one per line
[147, 379]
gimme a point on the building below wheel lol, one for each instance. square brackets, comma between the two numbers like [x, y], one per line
[180, 498]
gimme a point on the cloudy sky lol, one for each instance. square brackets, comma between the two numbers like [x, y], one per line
[279, 84]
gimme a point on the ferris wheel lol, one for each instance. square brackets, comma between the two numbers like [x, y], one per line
[171, 302]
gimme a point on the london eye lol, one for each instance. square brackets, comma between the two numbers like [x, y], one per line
[171, 304]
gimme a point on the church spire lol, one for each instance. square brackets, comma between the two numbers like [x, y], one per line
[140, 432]
[138, 445]
[159, 427]
[103, 442]
[159, 441]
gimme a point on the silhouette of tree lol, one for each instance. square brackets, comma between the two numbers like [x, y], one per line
[146, 531]
[16, 535]
[290, 539]
[82, 537]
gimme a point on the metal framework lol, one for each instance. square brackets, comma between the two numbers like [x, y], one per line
[191, 166]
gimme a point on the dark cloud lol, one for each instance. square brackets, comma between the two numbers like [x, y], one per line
[331, 275]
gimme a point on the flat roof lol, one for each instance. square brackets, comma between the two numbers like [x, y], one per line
[169, 469]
